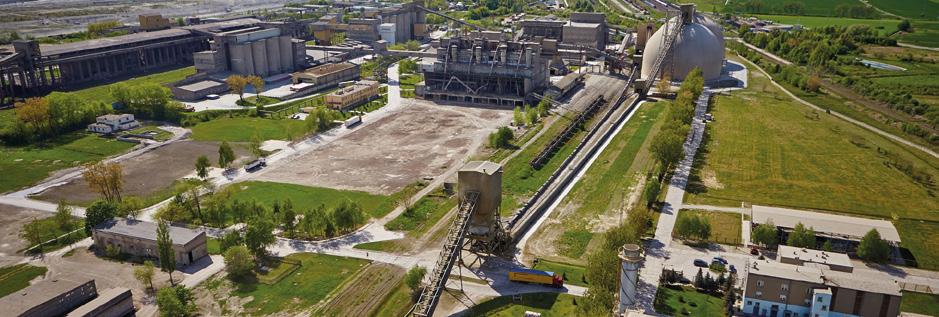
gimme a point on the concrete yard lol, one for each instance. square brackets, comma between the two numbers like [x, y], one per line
[12, 220]
[422, 139]
[146, 174]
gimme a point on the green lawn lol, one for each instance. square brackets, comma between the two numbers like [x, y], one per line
[764, 148]
[884, 26]
[825, 8]
[424, 214]
[102, 93]
[725, 226]
[7, 119]
[384, 245]
[686, 301]
[51, 230]
[573, 275]
[243, 129]
[548, 304]
[318, 275]
[306, 197]
[917, 9]
[213, 246]
[17, 277]
[919, 237]
[919, 303]
[161, 135]
[25, 165]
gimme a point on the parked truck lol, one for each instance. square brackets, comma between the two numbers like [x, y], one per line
[536, 277]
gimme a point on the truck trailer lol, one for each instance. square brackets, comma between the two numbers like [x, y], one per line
[536, 277]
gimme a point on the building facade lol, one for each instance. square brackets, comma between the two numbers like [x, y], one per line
[49, 297]
[352, 95]
[327, 74]
[138, 238]
[111, 123]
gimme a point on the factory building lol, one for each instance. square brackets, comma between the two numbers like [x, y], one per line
[138, 238]
[326, 75]
[254, 51]
[587, 29]
[49, 297]
[400, 23]
[353, 95]
[483, 71]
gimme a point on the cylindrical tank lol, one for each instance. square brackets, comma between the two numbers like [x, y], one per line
[249, 58]
[631, 260]
[286, 53]
[260, 58]
[238, 59]
[273, 55]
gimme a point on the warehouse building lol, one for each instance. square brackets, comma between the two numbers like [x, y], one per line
[112, 302]
[353, 95]
[781, 289]
[586, 29]
[50, 297]
[484, 71]
[138, 238]
[327, 75]
[844, 232]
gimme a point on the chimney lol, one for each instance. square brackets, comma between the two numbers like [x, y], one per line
[631, 261]
[687, 13]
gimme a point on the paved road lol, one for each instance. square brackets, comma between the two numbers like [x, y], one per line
[919, 47]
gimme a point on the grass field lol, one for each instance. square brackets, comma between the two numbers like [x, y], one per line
[606, 185]
[925, 33]
[919, 238]
[548, 304]
[319, 274]
[725, 226]
[824, 8]
[919, 303]
[397, 303]
[686, 301]
[306, 197]
[916, 9]
[102, 93]
[384, 245]
[573, 275]
[7, 118]
[765, 148]
[424, 214]
[884, 26]
[213, 246]
[243, 129]
[17, 277]
[26, 165]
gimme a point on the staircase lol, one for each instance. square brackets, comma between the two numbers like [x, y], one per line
[451, 250]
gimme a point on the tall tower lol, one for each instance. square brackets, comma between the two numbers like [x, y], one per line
[484, 179]
[631, 260]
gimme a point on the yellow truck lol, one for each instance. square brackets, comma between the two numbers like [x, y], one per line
[536, 277]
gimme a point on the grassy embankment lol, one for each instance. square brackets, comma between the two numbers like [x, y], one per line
[752, 155]
[102, 93]
[919, 303]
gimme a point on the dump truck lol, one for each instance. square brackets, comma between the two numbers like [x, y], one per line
[536, 277]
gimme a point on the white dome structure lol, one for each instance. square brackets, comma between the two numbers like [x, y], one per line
[700, 44]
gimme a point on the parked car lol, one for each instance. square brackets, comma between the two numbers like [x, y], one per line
[732, 269]
[754, 251]
[700, 263]
[719, 259]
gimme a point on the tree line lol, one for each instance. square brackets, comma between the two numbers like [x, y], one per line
[871, 247]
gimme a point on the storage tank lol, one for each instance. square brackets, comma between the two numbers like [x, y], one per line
[286, 53]
[484, 178]
[273, 55]
[260, 58]
[700, 44]
[631, 261]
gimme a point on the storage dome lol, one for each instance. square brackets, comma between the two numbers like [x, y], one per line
[700, 44]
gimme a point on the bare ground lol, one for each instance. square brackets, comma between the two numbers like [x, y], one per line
[146, 174]
[12, 220]
[424, 139]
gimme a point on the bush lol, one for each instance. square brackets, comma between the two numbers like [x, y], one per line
[501, 138]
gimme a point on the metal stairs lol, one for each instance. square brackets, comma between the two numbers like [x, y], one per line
[451, 250]
[672, 32]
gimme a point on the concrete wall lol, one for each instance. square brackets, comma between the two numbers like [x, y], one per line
[260, 58]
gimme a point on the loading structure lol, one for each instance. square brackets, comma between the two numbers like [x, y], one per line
[477, 228]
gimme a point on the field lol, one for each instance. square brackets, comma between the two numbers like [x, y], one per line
[884, 26]
[725, 226]
[424, 214]
[305, 197]
[825, 8]
[685, 301]
[17, 277]
[102, 93]
[919, 239]
[318, 276]
[548, 304]
[364, 294]
[244, 129]
[573, 275]
[917, 9]
[26, 165]
[751, 155]
[397, 303]
[925, 33]
[919, 303]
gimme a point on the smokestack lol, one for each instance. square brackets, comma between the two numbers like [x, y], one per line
[629, 276]
[687, 13]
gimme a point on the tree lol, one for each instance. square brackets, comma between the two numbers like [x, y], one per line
[105, 178]
[404, 199]
[33, 232]
[259, 234]
[63, 217]
[667, 148]
[337, 38]
[289, 218]
[827, 247]
[255, 145]
[518, 117]
[230, 239]
[258, 83]
[693, 227]
[651, 192]
[238, 262]
[165, 249]
[802, 237]
[531, 117]
[765, 235]
[501, 138]
[415, 277]
[544, 107]
[122, 94]
[130, 207]
[225, 155]
[34, 112]
[144, 274]
[904, 26]
[873, 248]
[99, 212]
[202, 166]
[175, 301]
[347, 216]
[237, 84]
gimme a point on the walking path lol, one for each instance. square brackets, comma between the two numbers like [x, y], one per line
[657, 249]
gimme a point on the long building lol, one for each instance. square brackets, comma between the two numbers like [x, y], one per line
[484, 71]
[139, 238]
[586, 29]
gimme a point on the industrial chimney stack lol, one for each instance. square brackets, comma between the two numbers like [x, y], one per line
[631, 260]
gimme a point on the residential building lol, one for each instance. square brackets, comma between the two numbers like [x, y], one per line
[111, 123]
[352, 95]
[139, 238]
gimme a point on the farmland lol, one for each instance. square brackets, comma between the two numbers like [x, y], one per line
[914, 9]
